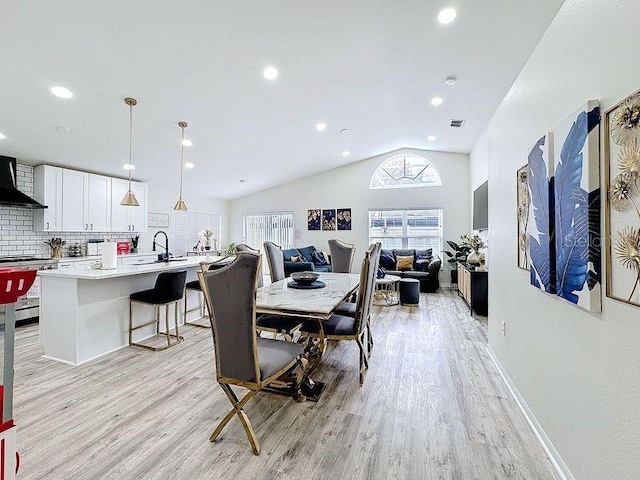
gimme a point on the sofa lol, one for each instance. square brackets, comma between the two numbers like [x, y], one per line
[422, 265]
[305, 259]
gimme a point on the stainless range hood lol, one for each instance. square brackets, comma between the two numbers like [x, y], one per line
[9, 194]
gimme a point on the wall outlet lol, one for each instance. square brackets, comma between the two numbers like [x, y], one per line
[503, 327]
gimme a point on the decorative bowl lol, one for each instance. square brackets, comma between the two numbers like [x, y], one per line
[304, 278]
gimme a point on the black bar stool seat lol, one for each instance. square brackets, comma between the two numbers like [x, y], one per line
[168, 290]
[195, 286]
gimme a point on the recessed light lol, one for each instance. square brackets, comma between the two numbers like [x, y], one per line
[128, 166]
[346, 153]
[432, 138]
[187, 143]
[2, 135]
[447, 15]
[451, 80]
[62, 92]
[270, 73]
[321, 127]
[188, 165]
[436, 101]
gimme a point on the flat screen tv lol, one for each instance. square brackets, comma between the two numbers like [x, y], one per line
[481, 207]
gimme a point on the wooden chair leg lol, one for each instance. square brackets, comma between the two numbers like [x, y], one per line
[238, 410]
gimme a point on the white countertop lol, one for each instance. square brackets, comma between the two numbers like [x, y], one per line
[124, 271]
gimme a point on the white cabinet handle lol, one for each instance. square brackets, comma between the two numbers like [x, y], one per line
[47, 226]
[86, 226]
[133, 228]
[92, 226]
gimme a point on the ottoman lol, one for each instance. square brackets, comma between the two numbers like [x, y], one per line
[409, 291]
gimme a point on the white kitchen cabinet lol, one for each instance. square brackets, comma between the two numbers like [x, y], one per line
[128, 219]
[86, 202]
[48, 191]
[75, 201]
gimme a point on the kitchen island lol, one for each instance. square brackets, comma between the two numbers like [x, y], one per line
[84, 313]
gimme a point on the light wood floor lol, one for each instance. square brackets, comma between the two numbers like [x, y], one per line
[433, 407]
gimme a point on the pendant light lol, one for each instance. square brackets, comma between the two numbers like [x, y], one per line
[180, 205]
[129, 199]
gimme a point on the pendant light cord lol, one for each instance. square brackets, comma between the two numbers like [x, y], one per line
[130, 136]
[181, 161]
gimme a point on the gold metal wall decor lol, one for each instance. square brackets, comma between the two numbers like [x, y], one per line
[622, 170]
[522, 216]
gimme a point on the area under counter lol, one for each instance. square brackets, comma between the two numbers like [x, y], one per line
[84, 313]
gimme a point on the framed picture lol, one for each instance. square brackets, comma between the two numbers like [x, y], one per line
[313, 219]
[541, 223]
[522, 216]
[576, 165]
[622, 210]
[343, 217]
[328, 219]
[159, 220]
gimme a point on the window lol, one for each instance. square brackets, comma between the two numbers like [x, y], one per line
[416, 228]
[186, 228]
[405, 171]
[276, 227]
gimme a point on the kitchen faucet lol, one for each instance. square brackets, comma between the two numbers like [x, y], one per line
[166, 244]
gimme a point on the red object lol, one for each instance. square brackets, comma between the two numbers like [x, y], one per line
[14, 283]
[123, 247]
[6, 425]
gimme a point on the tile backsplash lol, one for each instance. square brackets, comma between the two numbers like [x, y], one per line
[17, 236]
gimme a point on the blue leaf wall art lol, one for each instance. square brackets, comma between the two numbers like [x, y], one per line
[541, 216]
[577, 208]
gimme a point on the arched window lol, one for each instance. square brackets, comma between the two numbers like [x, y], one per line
[405, 171]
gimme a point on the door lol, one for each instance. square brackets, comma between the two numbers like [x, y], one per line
[74, 201]
[138, 217]
[99, 202]
[119, 213]
[48, 191]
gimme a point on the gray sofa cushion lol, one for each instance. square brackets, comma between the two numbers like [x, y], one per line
[274, 355]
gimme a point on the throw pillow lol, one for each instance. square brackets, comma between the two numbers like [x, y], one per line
[381, 272]
[387, 260]
[423, 258]
[296, 258]
[319, 259]
[403, 263]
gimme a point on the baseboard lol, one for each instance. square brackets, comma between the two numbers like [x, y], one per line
[556, 460]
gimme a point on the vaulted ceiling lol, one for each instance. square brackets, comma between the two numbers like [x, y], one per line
[369, 66]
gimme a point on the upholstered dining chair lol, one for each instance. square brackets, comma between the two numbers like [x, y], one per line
[341, 256]
[286, 326]
[242, 358]
[195, 286]
[341, 327]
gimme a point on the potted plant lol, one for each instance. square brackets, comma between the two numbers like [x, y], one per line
[134, 244]
[476, 243]
[56, 245]
[459, 254]
[207, 235]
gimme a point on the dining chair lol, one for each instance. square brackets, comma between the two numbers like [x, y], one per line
[341, 256]
[195, 286]
[357, 328]
[275, 324]
[241, 357]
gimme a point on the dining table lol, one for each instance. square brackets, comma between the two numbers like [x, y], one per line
[288, 299]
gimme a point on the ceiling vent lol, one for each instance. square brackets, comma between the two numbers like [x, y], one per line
[457, 123]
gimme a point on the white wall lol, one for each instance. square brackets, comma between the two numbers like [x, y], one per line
[348, 187]
[578, 372]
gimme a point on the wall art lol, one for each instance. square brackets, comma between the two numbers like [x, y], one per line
[622, 173]
[314, 219]
[522, 216]
[343, 217]
[576, 157]
[541, 224]
[329, 219]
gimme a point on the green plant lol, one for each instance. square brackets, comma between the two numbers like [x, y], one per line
[231, 248]
[134, 241]
[460, 252]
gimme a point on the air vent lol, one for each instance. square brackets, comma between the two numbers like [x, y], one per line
[457, 123]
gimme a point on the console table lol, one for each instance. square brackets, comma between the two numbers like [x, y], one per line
[473, 287]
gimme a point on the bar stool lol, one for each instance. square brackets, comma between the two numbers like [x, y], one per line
[168, 290]
[195, 287]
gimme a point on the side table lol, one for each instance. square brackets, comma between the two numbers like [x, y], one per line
[386, 293]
